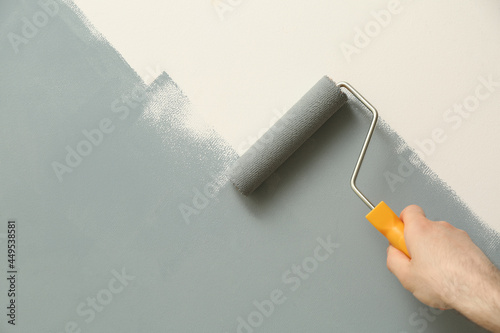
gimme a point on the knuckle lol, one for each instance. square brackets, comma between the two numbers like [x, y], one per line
[406, 284]
[463, 233]
[409, 208]
[444, 224]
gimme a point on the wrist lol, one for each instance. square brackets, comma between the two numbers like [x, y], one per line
[479, 298]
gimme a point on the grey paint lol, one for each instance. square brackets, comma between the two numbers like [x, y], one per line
[120, 208]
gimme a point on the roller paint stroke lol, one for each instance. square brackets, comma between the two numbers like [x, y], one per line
[413, 162]
[404, 166]
[85, 34]
[154, 116]
[394, 176]
[123, 203]
[185, 119]
[119, 111]
[409, 158]
[470, 52]
[491, 244]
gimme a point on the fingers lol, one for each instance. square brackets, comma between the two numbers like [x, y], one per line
[412, 213]
[399, 265]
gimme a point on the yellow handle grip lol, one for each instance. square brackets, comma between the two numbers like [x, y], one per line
[389, 224]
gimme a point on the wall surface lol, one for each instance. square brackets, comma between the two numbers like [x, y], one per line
[126, 221]
[421, 63]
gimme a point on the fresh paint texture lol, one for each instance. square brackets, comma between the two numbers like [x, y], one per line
[126, 221]
[420, 63]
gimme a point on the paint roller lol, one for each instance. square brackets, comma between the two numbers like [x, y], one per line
[292, 130]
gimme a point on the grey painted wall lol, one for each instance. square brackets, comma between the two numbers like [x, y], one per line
[145, 234]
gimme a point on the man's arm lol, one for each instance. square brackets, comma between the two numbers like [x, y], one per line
[447, 269]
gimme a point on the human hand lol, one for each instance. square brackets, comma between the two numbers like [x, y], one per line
[446, 269]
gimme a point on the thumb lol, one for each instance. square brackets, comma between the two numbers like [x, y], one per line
[412, 214]
[399, 265]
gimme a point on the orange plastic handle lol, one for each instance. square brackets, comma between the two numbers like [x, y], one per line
[389, 224]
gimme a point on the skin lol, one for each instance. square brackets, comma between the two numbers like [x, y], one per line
[447, 270]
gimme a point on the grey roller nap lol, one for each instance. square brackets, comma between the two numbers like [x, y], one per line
[287, 135]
